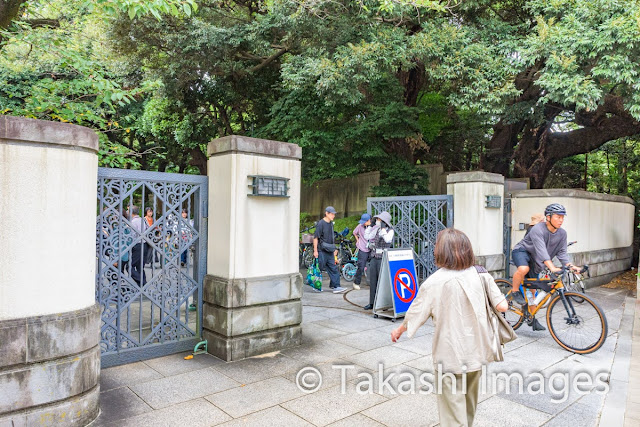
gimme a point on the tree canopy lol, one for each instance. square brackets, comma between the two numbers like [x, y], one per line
[512, 87]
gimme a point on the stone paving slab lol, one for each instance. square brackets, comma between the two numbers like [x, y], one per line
[183, 387]
[329, 405]
[356, 420]
[174, 364]
[262, 390]
[499, 412]
[320, 352]
[194, 413]
[387, 356]
[275, 417]
[254, 397]
[365, 340]
[125, 375]
[260, 368]
[417, 409]
[333, 373]
[121, 403]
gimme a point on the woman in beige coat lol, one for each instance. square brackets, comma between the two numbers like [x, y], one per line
[454, 297]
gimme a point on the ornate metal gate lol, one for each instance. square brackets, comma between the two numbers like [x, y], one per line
[506, 240]
[417, 221]
[149, 276]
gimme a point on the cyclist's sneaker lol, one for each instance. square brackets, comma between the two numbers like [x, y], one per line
[339, 290]
[536, 326]
[356, 286]
[316, 289]
[517, 297]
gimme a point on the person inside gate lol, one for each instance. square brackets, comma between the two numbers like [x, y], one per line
[137, 267]
[380, 237]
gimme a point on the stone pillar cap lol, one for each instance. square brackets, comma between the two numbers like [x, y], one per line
[20, 129]
[475, 176]
[248, 145]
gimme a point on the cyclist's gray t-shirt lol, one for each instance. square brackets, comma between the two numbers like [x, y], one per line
[543, 245]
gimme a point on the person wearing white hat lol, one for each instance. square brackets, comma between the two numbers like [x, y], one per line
[380, 236]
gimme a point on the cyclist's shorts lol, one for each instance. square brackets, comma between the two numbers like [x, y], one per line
[520, 257]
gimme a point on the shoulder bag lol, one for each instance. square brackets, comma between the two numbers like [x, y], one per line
[329, 247]
[502, 330]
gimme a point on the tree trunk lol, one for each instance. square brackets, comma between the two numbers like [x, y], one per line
[539, 148]
[199, 160]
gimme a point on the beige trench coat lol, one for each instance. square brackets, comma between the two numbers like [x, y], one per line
[462, 341]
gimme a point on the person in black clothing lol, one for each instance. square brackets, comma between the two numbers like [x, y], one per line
[324, 249]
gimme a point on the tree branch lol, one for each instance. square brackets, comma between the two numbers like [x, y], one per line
[268, 60]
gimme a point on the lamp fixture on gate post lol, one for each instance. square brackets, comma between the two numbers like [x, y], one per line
[269, 186]
[493, 202]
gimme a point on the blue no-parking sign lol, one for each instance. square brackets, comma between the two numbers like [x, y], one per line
[398, 284]
[404, 283]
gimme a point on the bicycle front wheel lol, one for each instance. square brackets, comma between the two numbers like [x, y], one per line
[579, 328]
[514, 314]
[349, 272]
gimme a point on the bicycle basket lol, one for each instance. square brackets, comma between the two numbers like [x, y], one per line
[314, 275]
[307, 238]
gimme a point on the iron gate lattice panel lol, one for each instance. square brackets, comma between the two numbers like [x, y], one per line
[417, 220]
[149, 277]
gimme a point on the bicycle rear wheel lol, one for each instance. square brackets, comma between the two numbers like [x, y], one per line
[514, 314]
[579, 328]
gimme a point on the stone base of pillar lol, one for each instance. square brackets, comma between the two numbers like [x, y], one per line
[50, 369]
[493, 263]
[248, 317]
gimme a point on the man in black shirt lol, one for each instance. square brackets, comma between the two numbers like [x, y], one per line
[324, 249]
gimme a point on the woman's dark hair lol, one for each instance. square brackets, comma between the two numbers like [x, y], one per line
[453, 250]
[184, 210]
[147, 209]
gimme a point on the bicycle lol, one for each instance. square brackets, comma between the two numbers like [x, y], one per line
[579, 328]
[350, 268]
[305, 255]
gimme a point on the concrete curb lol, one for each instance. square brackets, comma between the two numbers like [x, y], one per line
[613, 412]
[632, 414]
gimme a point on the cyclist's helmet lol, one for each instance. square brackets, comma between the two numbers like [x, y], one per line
[555, 208]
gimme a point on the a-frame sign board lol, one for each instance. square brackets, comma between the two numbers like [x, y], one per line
[397, 284]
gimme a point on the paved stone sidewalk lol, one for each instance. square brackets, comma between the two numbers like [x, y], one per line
[262, 391]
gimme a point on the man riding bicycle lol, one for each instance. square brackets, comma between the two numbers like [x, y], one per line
[545, 241]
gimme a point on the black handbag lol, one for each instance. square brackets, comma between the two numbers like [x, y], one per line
[329, 247]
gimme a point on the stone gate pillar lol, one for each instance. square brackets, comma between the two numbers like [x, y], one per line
[49, 321]
[253, 286]
[478, 199]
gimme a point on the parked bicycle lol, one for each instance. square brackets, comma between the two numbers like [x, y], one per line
[305, 254]
[580, 328]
